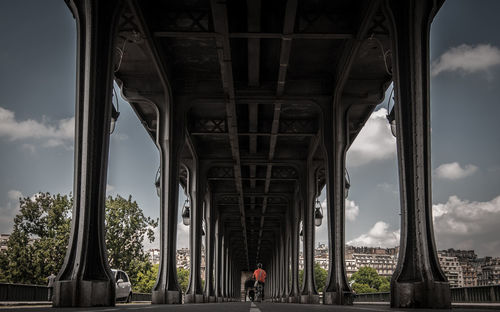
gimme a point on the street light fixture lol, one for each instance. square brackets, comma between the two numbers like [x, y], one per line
[186, 215]
[391, 116]
[157, 182]
[318, 213]
[301, 232]
[114, 113]
[347, 183]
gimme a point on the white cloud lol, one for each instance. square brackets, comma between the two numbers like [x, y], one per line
[109, 188]
[389, 188]
[14, 195]
[182, 238]
[50, 134]
[458, 223]
[453, 171]
[467, 59]
[351, 209]
[378, 236]
[375, 141]
[464, 224]
[9, 211]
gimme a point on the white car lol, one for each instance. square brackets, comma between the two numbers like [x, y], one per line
[123, 286]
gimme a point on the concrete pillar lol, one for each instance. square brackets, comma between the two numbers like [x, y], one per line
[337, 290]
[210, 240]
[194, 293]
[85, 278]
[309, 293]
[418, 281]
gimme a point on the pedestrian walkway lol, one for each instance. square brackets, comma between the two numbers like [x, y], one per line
[245, 307]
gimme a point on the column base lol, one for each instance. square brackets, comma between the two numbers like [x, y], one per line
[284, 300]
[80, 293]
[338, 298]
[190, 298]
[166, 297]
[210, 299]
[293, 299]
[309, 299]
[220, 299]
[434, 295]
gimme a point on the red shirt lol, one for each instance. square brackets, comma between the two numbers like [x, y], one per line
[260, 275]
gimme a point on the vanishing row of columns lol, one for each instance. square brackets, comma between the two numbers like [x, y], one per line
[86, 279]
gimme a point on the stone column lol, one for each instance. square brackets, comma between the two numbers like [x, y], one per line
[309, 293]
[194, 293]
[418, 281]
[85, 278]
[337, 290]
[293, 296]
[209, 248]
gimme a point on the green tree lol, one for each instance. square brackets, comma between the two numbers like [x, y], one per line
[320, 276]
[368, 280]
[183, 278]
[362, 288]
[126, 227]
[37, 245]
[146, 280]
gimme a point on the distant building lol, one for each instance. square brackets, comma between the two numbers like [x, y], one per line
[452, 269]
[4, 239]
[489, 273]
[154, 256]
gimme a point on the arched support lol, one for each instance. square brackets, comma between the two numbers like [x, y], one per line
[85, 278]
[171, 141]
[194, 293]
[418, 281]
[293, 296]
[337, 289]
[219, 247]
[309, 293]
[210, 240]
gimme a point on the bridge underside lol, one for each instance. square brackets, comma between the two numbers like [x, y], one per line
[253, 105]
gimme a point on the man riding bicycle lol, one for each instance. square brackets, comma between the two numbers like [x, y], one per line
[260, 278]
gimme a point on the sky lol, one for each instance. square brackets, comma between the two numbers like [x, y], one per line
[37, 106]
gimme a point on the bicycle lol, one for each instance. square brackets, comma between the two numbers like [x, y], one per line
[260, 292]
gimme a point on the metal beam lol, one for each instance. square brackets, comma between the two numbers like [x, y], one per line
[251, 35]
[255, 134]
[286, 47]
[219, 14]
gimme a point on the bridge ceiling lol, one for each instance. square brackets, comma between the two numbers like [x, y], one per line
[255, 79]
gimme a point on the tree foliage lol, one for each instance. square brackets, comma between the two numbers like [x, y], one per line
[37, 245]
[126, 227]
[320, 276]
[146, 280]
[183, 278]
[367, 280]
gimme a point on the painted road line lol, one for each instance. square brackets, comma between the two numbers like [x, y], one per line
[253, 308]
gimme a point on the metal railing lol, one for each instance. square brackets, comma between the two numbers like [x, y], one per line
[24, 292]
[475, 294]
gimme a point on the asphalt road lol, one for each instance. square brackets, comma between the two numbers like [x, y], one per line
[233, 307]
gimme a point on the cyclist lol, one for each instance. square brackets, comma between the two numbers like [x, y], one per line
[260, 278]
